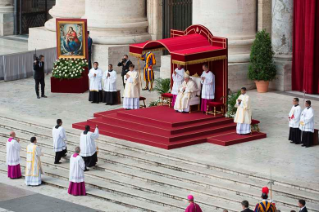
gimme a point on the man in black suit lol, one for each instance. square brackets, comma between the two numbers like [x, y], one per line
[302, 205]
[125, 63]
[38, 68]
[245, 205]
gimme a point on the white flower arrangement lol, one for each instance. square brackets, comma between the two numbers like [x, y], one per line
[69, 68]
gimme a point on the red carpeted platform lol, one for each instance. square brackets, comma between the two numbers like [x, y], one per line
[164, 128]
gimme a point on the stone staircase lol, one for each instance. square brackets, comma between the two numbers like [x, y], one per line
[146, 179]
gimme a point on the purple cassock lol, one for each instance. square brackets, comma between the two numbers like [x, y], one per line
[193, 207]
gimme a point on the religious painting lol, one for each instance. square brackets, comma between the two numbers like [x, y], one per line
[71, 38]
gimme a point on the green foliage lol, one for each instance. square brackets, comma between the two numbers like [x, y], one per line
[231, 102]
[154, 103]
[261, 65]
[162, 85]
[68, 68]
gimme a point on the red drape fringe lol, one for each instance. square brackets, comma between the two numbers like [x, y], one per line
[305, 65]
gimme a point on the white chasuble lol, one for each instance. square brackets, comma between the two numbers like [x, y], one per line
[87, 143]
[208, 90]
[307, 121]
[95, 81]
[59, 138]
[13, 152]
[243, 114]
[185, 92]
[178, 79]
[77, 167]
[109, 82]
[132, 87]
[294, 116]
[33, 169]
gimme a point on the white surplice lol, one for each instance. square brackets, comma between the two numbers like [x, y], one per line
[59, 138]
[109, 82]
[208, 90]
[243, 115]
[178, 79]
[87, 143]
[33, 168]
[77, 167]
[95, 82]
[307, 121]
[294, 116]
[13, 152]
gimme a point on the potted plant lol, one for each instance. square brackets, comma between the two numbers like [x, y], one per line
[262, 68]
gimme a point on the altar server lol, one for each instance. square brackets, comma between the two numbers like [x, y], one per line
[109, 87]
[177, 77]
[192, 207]
[208, 90]
[59, 138]
[33, 169]
[76, 176]
[13, 156]
[88, 146]
[185, 92]
[294, 120]
[95, 77]
[132, 89]
[243, 114]
[307, 123]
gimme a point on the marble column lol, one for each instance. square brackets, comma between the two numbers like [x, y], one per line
[264, 15]
[65, 9]
[281, 36]
[6, 17]
[155, 18]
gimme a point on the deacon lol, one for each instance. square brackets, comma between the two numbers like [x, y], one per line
[208, 90]
[265, 204]
[109, 87]
[95, 77]
[243, 114]
[185, 92]
[76, 176]
[294, 120]
[193, 207]
[59, 138]
[132, 90]
[307, 123]
[177, 77]
[33, 169]
[150, 61]
[13, 156]
[88, 147]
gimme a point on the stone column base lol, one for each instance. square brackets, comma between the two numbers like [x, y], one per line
[41, 38]
[283, 78]
[6, 24]
[238, 77]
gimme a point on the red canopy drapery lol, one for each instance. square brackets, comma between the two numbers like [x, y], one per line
[305, 66]
[191, 48]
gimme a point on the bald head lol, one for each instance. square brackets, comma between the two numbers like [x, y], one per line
[77, 150]
[12, 134]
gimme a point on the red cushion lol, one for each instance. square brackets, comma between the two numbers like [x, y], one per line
[167, 95]
[142, 98]
[253, 122]
[215, 104]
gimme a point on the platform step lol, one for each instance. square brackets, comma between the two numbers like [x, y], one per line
[233, 138]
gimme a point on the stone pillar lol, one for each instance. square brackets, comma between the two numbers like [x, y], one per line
[6, 17]
[65, 9]
[264, 15]
[281, 36]
[155, 18]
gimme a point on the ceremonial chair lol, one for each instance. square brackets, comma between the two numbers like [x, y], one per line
[254, 126]
[196, 99]
[143, 100]
[215, 105]
[168, 97]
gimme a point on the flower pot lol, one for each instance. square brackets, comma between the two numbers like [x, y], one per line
[262, 86]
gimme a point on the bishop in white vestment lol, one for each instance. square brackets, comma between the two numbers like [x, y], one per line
[307, 124]
[13, 156]
[243, 114]
[178, 78]
[59, 138]
[95, 77]
[33, 169]
[132, 89]
[88, 146]
[109, 86]
[294, 120]
[186, 91]
[208, 89]
[76, 176]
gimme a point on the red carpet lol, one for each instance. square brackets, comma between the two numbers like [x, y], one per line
[164, 128]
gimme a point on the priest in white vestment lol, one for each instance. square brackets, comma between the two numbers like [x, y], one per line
[109, 86]
[88, 146]
[208, 88]
[76, 176]
[186, 91]
[33, 169]
[132, 89]
[294, 120]
[178, 78]
[95, 77]
[307, 125]
[243, 114]
[13, 156]
[59, 138]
